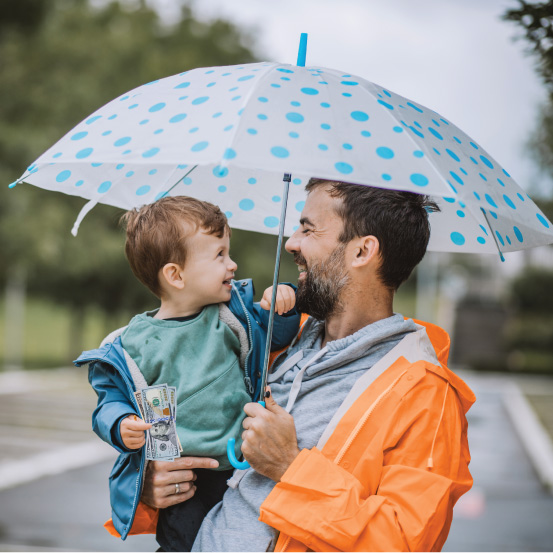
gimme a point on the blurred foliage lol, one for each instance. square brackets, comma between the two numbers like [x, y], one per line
[59, 61]
[529, 333]
[536, 20]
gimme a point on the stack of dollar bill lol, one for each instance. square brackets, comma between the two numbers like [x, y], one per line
[158, 407]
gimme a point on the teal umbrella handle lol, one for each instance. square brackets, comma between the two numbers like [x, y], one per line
[242, 465]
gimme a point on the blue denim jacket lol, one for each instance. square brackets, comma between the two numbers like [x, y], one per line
[112, 381]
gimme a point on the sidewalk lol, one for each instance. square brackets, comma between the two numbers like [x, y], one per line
[508, 509]
[45, 425]
[528, 400]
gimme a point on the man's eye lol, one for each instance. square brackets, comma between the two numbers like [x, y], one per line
[306, 230]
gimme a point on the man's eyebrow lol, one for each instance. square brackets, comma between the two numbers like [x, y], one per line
[306, 221]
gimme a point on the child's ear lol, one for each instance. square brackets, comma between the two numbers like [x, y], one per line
[171, 273]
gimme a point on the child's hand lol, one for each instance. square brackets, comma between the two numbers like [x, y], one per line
[132, 431]
[285, 299]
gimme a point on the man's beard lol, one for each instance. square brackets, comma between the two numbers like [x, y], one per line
[319, 291]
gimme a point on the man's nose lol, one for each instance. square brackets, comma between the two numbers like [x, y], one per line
[293, 243]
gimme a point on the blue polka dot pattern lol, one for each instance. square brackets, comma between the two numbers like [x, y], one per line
[63, 176]
[294, 117]
[143, 190]
[279, 151]
[104, 187]
[457, 238]
[418, 179]
[84, 153]
[344, 168]
[384, 152]
[359, 115]
[239, 133]
[246, 204]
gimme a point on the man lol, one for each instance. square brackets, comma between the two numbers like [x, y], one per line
[362, 446]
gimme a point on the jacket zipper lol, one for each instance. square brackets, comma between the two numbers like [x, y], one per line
[247, 379]
[364, 419]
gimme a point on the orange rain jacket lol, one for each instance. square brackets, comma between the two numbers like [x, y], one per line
[389, 468]
[388, 472]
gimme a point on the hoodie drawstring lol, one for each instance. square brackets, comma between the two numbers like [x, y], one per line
[296, 384]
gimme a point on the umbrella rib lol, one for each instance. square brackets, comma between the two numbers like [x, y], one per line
[493, 235]
[245, 102]
[181, 179]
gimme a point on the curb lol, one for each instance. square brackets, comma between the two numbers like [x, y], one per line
[532, 434]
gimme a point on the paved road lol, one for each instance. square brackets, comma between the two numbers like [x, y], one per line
[507, 510]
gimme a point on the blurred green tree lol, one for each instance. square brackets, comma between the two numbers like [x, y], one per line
[529, 333]
[59, 61]
[536, 19]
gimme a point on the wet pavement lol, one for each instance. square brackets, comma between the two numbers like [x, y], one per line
[507, 509]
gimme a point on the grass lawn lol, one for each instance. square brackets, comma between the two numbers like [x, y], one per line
[543, 407]
[47, 334]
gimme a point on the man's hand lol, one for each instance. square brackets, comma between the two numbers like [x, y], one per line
[132, 431]
[161, 477]
[285, 299]
[269, 438]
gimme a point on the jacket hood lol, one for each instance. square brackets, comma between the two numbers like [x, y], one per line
[351, 348]
[429, 343]
[440, 342]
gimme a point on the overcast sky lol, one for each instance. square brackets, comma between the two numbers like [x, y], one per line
[455, 56]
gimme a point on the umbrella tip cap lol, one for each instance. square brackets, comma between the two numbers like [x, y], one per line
[13, 184]
[302, 51]
[502, 257]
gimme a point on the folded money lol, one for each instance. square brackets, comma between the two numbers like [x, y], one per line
[157, 405]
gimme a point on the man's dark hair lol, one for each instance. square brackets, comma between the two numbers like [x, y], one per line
[399, 220]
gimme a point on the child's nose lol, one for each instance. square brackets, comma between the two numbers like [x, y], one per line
[232, 265]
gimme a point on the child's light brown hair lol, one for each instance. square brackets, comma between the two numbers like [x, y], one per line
[157, 234]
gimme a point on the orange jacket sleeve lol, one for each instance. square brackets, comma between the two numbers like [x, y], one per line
[328, 508]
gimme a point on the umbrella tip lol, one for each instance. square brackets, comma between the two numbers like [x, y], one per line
[501, 256]
[302, 51]
[13, 184]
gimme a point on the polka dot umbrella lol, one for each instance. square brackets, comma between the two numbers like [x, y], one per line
[228, 134]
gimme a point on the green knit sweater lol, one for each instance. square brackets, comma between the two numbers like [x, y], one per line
[200, 357]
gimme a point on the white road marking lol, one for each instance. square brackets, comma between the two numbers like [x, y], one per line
[20, 471]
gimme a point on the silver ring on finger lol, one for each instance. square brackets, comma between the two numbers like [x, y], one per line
[177, 488]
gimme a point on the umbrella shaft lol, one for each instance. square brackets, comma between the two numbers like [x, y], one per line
[286, 178]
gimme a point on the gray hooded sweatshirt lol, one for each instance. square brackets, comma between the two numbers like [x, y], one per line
[311, 383]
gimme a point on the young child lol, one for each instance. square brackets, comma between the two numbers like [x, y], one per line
[207, 339]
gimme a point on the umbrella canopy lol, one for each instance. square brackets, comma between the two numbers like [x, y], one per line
[227, 135]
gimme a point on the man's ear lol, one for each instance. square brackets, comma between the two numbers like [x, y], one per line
[366, 250]
[171, 275]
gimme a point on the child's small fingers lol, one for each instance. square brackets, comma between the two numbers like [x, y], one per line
[139, 424]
